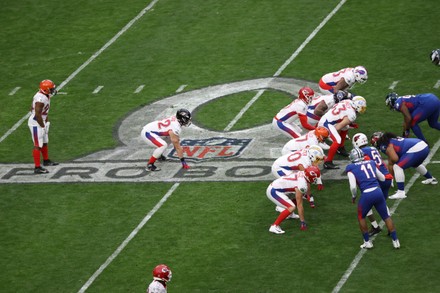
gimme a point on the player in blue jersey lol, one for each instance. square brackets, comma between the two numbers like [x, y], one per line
[402, 154]
[365, 175]
[360, 141]
[415, 109]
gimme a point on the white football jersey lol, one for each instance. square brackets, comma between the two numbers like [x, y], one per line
[287, 184]
[41, 98]
[300, 143]
[162, 127]
[347, 74]
[311, 116]
[338, 112]
[156, 287]
[290, 113]
[290, 162]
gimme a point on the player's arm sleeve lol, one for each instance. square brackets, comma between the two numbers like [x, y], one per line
[406, 117]
[320, 109]
[352, 182]
[380, 175]
[304, 123]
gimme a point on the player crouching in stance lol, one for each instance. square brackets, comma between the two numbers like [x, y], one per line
[365, 174]
[402, 154]
[294, 184]
[161, 275]
[313, 137]
[154, 133]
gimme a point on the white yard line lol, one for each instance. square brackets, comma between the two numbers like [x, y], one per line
[84, 65]
[361, 252]
[288, 61]
[98, 89]
[14, 91]
[393, 85]
[128, 239]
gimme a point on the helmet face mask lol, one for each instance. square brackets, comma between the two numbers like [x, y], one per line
[306, 94]
[184, 117]
[359, 104]
[390, 100]
[356, 155]
[360, 74]
[359, 140]
[162, 273]
[47, 87]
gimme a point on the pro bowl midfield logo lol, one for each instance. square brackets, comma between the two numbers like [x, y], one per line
[211, 148]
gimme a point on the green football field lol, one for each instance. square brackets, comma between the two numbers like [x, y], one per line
[99, 223]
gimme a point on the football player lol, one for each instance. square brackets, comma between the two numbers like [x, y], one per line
[415, 109]
[155, 133]
[360, 141]
[435, 57]
[297, 110]
[161, 275]
[313, 137]
[365, 174]
[300, 160]
[295, 184]
[343, 79]
[338, 120]
[39, 124]
[402, 154]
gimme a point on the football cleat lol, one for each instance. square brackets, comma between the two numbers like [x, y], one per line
[367, 245]
[400, 194]
[435, 57]
[373, 231]
[396, 244]
[432, 181]
[342, 151]
[276, 229]
[49, 163]
[162, 158]
[330, 165]
[152, 167]
[40, 170]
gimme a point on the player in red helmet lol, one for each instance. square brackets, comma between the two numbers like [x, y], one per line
[161, 275]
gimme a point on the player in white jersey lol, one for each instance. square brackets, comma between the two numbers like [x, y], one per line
[313, 137]
[161, 275]
[39, 124]
[295, 184]
[297, 110]
[343, 79]
[155, 133]
[338, 120]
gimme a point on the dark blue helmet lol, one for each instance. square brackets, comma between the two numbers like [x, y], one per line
[390, 100]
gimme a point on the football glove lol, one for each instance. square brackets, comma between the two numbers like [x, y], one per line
[353, 199]
[405, 133]
[184, 164]
[303, 226]
[320, 186]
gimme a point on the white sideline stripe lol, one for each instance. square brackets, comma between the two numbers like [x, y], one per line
[14, 91]
[181, 88]
[98, 89]
[139, 89]
[437, 85]
[129, 238]
[288, 61]
[361, 253]
[84, 65]
[393, 85]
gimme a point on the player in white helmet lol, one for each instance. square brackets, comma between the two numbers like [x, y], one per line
[313, 137]
[343, 79]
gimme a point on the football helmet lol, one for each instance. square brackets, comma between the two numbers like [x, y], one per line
[306, 94]
[375, 137]
[162, 273]
[359, 104]
[435, 57]
[321, 133]
[312, 173]
[360, 74]
[184, 117]
[356, 155]
[390, 100]
[315, 154]
[359, 140]
[47, 87]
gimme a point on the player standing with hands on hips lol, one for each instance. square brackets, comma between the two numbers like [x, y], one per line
[39, 124]
[155, 132]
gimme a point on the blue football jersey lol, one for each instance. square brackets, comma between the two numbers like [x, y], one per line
[365, 174]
